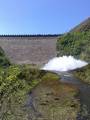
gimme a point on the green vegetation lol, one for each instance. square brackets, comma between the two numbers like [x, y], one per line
[4, 62]
[83, 73]
[76, 44]
[16, 82]
[52, 76]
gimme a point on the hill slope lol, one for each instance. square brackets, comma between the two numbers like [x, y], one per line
[76, 42]
[84, 26]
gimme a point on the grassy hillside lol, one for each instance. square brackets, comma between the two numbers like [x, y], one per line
[76, 42]
[4, 62]
[82, 27]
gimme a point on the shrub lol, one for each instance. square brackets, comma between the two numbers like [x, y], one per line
[75, 44]
[4, 61]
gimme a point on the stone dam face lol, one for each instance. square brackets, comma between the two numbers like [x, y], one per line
[29, 49]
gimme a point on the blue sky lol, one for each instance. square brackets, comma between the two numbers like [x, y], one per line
[41, 16]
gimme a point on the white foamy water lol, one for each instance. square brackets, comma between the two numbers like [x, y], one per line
[64, 63]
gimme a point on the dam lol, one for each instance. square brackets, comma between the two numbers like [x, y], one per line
[29, 49]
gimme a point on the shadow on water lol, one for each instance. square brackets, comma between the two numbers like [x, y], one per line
[84, 94]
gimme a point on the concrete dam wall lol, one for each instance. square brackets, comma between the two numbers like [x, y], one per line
[29, 49]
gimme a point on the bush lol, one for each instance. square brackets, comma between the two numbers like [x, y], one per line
[16, 82]
[75, 44]
[4, 62]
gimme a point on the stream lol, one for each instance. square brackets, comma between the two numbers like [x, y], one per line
[84, 94]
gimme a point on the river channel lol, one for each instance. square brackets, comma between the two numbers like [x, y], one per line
[66, 77]
[84, 94]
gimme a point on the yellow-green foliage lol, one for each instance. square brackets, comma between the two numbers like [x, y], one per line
[50, 76]
[15, 84]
